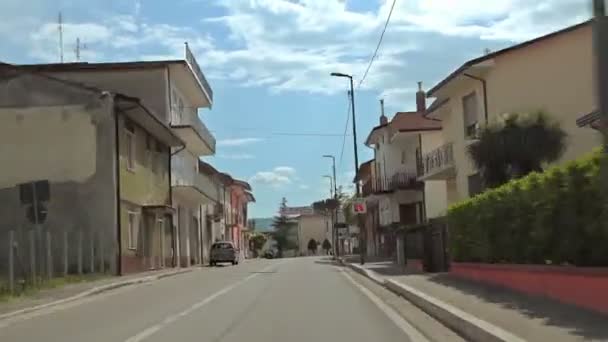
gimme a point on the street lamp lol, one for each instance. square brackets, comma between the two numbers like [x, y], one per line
[333, 160]
[335, 212]
[352, 105]
[331, 185]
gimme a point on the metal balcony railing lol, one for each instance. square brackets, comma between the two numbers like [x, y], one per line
[196, 69]
[184, 174]
[398, 181]
[437, 160]
[189, 117]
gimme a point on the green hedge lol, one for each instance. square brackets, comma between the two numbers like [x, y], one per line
[559, 216]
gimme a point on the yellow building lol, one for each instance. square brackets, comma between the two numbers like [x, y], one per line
[553, 73]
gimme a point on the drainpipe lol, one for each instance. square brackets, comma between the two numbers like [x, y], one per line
[423, 218]
[117, 190]
[485, 94]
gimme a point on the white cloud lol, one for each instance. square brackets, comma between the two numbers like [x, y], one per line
[279, 176]
[288, 45]
[237, 141]
[236, 156]
[304, 187]
[285, 170]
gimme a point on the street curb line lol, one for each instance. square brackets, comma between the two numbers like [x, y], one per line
[94, 291]
[465, 324]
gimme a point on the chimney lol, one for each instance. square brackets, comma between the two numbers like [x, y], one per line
[383, 118]
[420, 99]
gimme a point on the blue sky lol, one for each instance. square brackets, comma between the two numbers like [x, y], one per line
[276, 109]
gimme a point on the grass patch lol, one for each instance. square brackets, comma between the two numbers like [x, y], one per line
[27, 290]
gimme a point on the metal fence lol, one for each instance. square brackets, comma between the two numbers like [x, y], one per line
[31, 257]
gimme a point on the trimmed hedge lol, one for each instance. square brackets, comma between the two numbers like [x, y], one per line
[559, 216]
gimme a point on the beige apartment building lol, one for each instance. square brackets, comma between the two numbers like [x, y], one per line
[553, 73]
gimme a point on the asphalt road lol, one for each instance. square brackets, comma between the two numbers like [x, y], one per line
[299, 300]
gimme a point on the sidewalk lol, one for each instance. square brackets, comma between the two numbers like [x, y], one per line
[49, 296]
[530, 318]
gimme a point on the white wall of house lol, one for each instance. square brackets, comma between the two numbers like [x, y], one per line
[435, 191]
[148, 84]
[312, 227]
[68, 135]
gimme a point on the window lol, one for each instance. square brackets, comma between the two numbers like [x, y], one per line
[132, 230]
[469, 108]
[475, 184]
[130, 142]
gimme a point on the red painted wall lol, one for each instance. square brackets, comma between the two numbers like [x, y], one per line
[584, 287]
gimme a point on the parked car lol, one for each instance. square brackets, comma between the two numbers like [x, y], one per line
[223, 251]
[269, 254]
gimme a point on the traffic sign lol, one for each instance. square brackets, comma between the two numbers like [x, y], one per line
[359, 207]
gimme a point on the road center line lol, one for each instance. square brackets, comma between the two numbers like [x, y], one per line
[144, 334]
[405, 326]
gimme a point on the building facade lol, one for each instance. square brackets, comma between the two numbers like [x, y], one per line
[394, 194]
[553, 73]
[93, 165]
[174, 91]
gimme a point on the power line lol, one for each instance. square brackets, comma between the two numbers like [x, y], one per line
[294, 134]
[371, 61]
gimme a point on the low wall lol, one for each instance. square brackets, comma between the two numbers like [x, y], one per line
[584, 287]
[415, 265]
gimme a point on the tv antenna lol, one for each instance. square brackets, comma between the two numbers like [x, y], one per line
[60, 28]
[79, 47]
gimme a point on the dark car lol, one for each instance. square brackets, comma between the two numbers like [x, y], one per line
[223, 251]
[269, 254]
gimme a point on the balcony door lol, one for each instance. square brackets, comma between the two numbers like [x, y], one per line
[408, 213]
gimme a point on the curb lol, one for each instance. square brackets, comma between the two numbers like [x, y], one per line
[465, 324]
[94, 291]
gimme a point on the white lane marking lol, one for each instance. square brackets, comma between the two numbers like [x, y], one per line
[405, 326]
[144, 334]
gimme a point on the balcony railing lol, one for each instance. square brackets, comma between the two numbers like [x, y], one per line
[403, 180]
[199, 73]
[185, 175]
[438, 160]
[205, 144]
[398, 181]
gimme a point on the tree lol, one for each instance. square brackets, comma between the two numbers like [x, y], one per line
[282, 230]
[326, 246]
[258, 241]
[515, 146]
[312, 246]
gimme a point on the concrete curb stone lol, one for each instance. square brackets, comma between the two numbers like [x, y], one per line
[465, 324]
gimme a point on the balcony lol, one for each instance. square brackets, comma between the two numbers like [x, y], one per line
[191, 185]
[190, 129]
[398, 181]
[200, 77]
[437, 164]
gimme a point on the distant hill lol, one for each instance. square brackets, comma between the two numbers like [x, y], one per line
[263, 224]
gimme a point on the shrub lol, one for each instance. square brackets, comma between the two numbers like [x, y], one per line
[559, 216]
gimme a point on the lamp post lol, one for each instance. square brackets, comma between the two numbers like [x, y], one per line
[335, 212]
[331, 185]
[352, 103]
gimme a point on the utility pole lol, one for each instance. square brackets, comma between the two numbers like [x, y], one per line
[600, 47]
[358, 192]
[335, 211]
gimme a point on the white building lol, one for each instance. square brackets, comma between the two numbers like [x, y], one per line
[394, 195]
